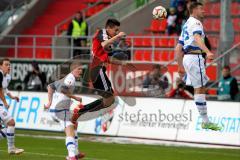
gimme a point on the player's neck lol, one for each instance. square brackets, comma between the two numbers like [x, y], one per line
[194, 16]
[4, 74]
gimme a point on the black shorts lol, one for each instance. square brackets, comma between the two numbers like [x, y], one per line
[101, 83]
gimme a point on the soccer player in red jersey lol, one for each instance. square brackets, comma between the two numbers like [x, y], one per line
[103, 41]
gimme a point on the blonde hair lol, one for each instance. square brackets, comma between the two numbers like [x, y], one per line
[75, 64]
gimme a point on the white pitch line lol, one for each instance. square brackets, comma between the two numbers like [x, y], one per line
[54, 155]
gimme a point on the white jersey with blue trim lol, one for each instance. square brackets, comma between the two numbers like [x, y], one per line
[191, 27]
[4, 82]
[66, 85]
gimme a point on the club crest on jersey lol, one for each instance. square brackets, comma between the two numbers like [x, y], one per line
[197, 23]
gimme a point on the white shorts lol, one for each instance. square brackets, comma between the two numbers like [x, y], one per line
[4, 114]
[195, 70]
[60, 110]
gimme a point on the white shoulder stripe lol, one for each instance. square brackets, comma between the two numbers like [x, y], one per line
[104, 34]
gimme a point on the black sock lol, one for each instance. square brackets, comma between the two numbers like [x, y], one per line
[91, 106]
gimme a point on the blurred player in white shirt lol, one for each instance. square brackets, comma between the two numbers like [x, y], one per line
[60, 95]
[7, 119]
[189, 52]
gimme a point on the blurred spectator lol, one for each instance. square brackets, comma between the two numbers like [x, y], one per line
[35, 80]
[76, 29]
[227, 87]
[174, 3]
[155, 79]
[180, 91]
[171, 21]
[182, 15]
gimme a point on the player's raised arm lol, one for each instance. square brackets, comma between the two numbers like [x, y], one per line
[107, 43]
[70, 95]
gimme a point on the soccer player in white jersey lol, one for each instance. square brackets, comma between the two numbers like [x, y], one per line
[7, 119]
[60, 95]
[190, 60]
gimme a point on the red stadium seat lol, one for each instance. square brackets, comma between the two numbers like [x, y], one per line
[165, 56]
[237, 39]
[163, 25]
[171, 42]
[212, 91]
[236, 24]
[138, 42]
[147, 56]
[43, 53]
[158, 25]
[215, 10]
[157, 56]
[216, 25]
[155, 25]
[138, 55]
[213, 41]
[91, 11]
[207, 24]
[171, 55]
[147, 42]
[206, 8]
[235, 8]
[155, 42]
[163, 42]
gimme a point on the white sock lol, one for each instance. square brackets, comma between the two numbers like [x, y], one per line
[3, 133]
[76, 141]
[10, 136]
[200, 101]
[70, 144]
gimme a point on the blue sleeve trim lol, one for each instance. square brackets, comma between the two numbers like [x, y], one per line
[197, 32]
[181, 42]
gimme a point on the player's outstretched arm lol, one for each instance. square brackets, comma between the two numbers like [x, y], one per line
[107, 43]
[198, 40]
[12, 97]
[66, 93]
[50, 95]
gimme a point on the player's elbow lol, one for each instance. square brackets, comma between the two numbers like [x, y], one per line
[178, 50]
[197, 38]
[107, 46]
[50, 88]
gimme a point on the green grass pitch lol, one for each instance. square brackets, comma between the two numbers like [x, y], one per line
[37, 148]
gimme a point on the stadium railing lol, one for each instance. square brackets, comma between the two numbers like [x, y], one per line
[141, 48]
[235, 67]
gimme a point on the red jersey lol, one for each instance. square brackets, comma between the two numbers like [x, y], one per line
[97, 49]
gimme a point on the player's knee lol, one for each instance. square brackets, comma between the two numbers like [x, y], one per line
[75, 125]
[11, 123]
[109, 101]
